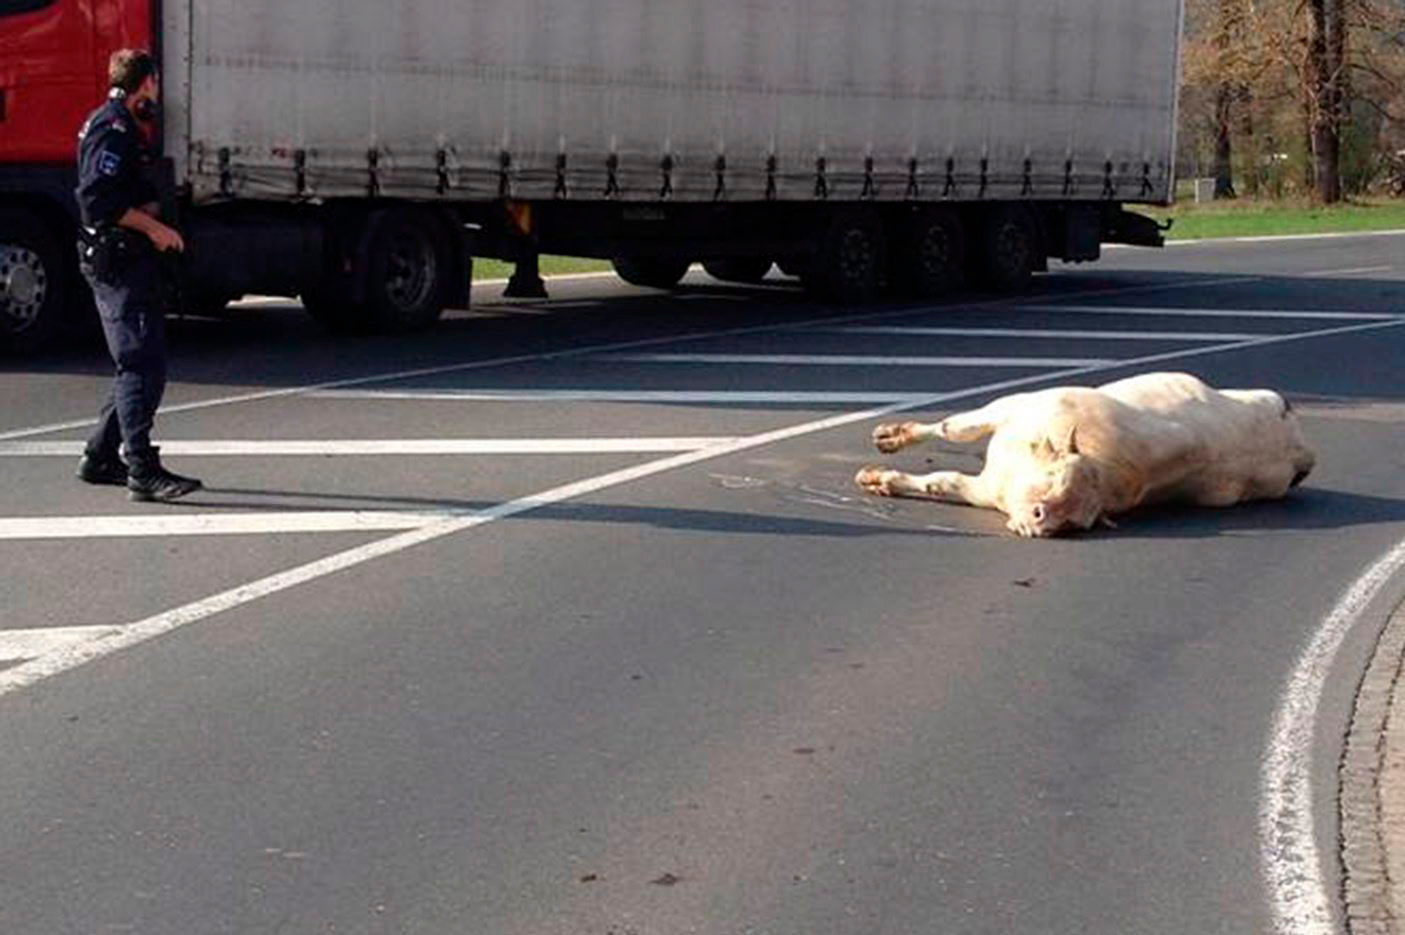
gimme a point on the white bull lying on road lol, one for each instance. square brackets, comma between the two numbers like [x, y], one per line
[1066, 458]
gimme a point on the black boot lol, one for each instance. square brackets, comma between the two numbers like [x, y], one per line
[102, 469]
[148, 481]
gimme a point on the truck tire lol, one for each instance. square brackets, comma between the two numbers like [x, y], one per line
[931, 259]
[408, 265]
[33, 281]
[742, 269]
[651, 272]
[1006, 251]
[851, 265]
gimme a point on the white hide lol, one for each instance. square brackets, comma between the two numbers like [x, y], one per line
[1066, 458]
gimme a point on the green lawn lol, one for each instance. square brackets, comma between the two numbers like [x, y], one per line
[1252, 218]
[1244, 217]
[550, 266]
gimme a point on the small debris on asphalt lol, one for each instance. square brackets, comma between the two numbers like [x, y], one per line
[668, 879]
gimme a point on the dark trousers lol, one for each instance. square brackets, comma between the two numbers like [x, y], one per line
[134, 323]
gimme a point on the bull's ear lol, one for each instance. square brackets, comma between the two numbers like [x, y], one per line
[1043, 448]
[1073, 440]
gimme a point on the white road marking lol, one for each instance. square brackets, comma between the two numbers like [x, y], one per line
[404, 446]
[212, 524]
[555, 277]
[588, 395]
[61, 660]
[1357, 271]
[1292, 865]
[854, 360]
[1276, 238]
[918, 332]
[574, 352]
[1210, 313]
[21, 645]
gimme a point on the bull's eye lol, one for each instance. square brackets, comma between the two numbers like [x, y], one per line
[1038, 512]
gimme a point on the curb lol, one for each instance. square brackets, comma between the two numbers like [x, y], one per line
[1372, 791]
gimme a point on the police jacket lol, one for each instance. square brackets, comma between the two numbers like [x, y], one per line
[113, 166]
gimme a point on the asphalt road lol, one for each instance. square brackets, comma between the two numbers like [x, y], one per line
[627, 653]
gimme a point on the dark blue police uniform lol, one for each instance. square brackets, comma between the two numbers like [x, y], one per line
[121, 265]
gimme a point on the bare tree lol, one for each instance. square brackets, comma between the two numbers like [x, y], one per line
[1325, 76]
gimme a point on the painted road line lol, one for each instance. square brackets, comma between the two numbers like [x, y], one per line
[587, 395]
[854, 360]
[213, 524]
[1292, 862]
[405, 446]
[62, 660]
[916, 332]
[1210, 313]
[23, 645]
[577, 352]
[1357, 271]
[555, 277]
[1278, 238]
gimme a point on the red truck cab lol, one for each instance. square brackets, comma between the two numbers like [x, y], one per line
[53, 72]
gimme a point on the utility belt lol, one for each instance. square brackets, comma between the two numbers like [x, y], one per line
[107, 252]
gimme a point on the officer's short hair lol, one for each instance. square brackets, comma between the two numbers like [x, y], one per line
[128, 68]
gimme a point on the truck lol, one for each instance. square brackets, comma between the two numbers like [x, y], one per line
[359, 155]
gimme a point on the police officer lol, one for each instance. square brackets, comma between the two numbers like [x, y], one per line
[118, 249]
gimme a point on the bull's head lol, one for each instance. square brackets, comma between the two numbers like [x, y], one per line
[1063, 494]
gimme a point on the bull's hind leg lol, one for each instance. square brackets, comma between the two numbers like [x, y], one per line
[939, 485]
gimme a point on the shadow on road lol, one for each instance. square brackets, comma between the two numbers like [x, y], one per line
[277, 345]
[687, 519]
[1304, 509]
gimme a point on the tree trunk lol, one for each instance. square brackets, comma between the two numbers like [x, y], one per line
[1326, 55]
[1225, 29]
[1224, 146]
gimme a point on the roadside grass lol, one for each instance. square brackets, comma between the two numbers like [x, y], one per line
[550, 266]
[1247, 217]
[1243, 217]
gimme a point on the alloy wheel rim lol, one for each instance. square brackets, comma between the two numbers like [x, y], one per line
[857, 256]
[24, 287]
[411, 270]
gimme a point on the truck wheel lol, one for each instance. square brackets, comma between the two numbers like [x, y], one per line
[408, 265]
[1006, 253]
[749, 270]
[931, 261]
[651, 272]
[851, 261]
[33, 281]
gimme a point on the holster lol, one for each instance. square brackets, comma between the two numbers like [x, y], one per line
[106, 253]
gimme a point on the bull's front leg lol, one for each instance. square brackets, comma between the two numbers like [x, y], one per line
[939, 485]
[891, 437]
[975, 425]
[971, 426]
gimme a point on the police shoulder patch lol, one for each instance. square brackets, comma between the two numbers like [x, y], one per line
[109, 162]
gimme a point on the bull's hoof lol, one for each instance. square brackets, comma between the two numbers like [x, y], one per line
[891, 437]
[876, 480]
